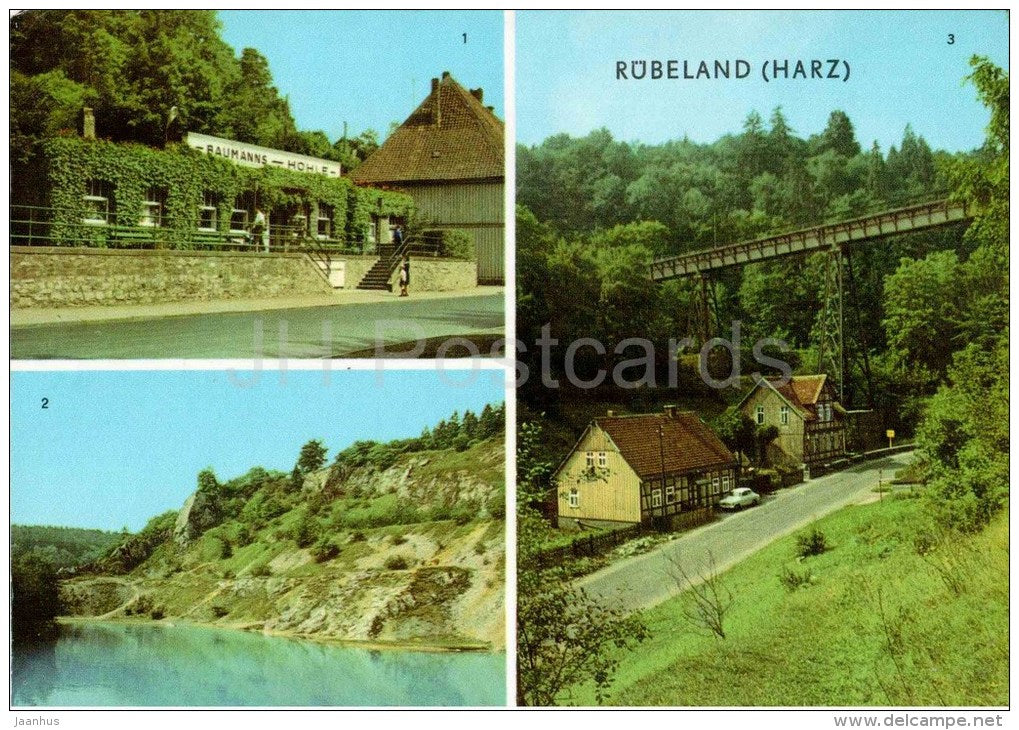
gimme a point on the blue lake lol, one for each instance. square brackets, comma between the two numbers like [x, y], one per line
[154, 665]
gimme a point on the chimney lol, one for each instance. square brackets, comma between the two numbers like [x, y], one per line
[491, 109]
[445, 75]
[88, 123]
[670, 411]
[478, 94]
[436, 101]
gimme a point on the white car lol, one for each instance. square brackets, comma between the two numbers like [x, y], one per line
[740, 497]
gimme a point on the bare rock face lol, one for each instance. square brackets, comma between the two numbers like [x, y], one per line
[198, 514]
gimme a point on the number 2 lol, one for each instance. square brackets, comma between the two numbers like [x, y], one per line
[45, 402]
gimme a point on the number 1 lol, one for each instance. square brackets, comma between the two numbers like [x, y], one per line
[465, 37]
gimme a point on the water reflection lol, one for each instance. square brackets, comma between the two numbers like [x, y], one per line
[160, 665]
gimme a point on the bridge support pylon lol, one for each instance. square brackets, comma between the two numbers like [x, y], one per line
[831, 357]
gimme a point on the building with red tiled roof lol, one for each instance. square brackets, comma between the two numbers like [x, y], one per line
[449, 155]
[643, 468]
[804, 409]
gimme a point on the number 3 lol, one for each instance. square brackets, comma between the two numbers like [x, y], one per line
[951, 39]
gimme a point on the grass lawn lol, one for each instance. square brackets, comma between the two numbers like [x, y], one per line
[877, 624]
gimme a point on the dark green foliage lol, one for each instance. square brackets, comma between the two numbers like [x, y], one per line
[219, 611]
[62, 547]
[811, 543]
[157, 613]
[325, 549]
[306, 531]
[35, 600]
[186, 175]
[793, 580]
[312, 457]
[262, 570]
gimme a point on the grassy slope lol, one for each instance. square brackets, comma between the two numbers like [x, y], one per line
[877, 626]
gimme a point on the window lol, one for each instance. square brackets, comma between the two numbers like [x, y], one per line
[725, 483]
[574, 499]
[656, 497]
[784, 415]
[239, 215]
[590, 460]
[670, 494]
[97, 202]
[207, 212]
[324, 228]
[603, 460]
[760, 415]
[153, 208]
[714, 485]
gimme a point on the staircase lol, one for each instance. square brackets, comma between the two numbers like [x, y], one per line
[378, 275]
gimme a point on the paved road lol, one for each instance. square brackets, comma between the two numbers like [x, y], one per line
[646, 580]
[311, 332]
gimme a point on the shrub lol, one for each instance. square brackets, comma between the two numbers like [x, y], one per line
[260, 571]
[811, 543]
[397, 539]
[157, 613]
[397, 562]
[458, 244]
[792, 580]
[325, 549]
[357, 536]
[220, 611]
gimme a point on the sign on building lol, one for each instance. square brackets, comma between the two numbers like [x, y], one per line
[250, 155]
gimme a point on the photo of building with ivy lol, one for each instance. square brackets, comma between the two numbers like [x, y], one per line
[152, 165]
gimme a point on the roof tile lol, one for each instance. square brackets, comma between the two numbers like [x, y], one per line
[686, 443]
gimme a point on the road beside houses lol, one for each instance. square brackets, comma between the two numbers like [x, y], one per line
[646, 580]
[298, 332]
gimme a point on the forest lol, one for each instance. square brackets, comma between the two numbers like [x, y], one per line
[133, 66]
[593, 212]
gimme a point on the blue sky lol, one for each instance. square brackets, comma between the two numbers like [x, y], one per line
[902, 70]
[116, 448]
[369, 68]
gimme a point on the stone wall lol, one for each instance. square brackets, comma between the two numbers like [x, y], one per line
[74, 277]
[438, 275]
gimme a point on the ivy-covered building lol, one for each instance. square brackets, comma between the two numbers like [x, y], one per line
[85, 191]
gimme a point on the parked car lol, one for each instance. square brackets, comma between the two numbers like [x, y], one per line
[740, 497]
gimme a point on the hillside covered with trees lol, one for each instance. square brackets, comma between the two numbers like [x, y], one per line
[132, 66]
[593, 212]
[398, 542]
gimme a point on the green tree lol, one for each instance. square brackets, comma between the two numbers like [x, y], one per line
[312, 457]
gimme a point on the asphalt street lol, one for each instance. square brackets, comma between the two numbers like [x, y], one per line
[646, 580]
[308, 332]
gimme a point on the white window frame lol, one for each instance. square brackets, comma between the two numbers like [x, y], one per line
[760, 415]
[97, 195]
[783, 415]
[238, 202]
[324, 215]
[656, 497]
[670, 494]
[208, 206]
[590, 459]
[603, 460]
[573, 498]
[725, 483]
[153, 208]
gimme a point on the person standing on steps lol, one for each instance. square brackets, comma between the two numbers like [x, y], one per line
[397, 238]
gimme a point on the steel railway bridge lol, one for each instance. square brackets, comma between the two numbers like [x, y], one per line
[834, 239]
